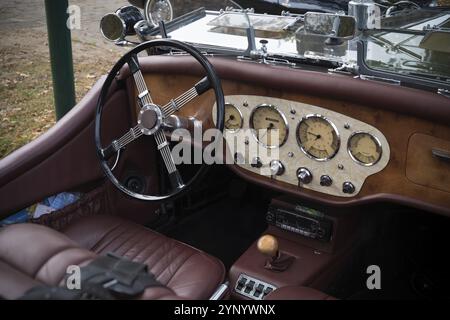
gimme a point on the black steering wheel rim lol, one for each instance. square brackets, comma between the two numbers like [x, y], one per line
[215, 85]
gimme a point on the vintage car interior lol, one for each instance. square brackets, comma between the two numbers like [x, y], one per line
[358, 176]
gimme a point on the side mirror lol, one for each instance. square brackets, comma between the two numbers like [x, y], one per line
[333, 26]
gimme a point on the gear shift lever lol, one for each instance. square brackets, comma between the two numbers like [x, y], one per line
[277, 261]
[268, 246]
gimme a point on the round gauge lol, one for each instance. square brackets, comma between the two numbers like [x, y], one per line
[269, 126]
[364, 148]
[233, 118]
[318, 137]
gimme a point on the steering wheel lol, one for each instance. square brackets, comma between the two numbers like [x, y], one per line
[152, 117]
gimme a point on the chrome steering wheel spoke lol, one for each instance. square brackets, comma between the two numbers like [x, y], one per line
[143, 93]
[176, 104]
[163, 146]
[122, 142]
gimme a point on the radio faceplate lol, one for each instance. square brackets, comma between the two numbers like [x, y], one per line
[301, 220]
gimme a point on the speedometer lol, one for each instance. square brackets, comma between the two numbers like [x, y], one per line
[269, 126]
[318, 137]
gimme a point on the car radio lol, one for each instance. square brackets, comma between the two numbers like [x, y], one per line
[301, 220]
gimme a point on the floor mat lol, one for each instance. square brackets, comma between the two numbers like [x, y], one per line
[225, 229]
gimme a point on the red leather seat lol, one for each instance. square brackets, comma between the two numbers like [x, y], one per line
[32, 255]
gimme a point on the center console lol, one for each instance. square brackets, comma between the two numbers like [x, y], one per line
[301, 247]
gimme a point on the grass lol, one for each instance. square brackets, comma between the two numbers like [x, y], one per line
[26, 109]
[26, 95]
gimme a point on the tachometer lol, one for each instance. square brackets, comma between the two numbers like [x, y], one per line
[233, 118]
[269, 126]
[364, 148]
[318, 137]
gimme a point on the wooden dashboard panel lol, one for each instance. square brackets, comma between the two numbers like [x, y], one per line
[423, 167]
[390, 185]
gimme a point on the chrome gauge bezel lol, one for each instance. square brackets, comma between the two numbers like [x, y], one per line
[265, 105]
[377, 141]
[297, 134]
[241, 124]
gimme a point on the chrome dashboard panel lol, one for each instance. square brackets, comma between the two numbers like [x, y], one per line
[341, 168]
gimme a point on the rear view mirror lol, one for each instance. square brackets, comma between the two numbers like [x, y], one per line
[330, 25]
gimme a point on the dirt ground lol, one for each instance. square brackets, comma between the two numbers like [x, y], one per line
[26, 96]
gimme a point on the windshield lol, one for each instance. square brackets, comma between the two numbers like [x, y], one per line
[414, 43]
[410, 38]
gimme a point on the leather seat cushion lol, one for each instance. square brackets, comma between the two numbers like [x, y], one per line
[187, 271]
[32, 255]
[298, 293]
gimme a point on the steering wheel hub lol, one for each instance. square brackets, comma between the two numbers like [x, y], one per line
[150, 119]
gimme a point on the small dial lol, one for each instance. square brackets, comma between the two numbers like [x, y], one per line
[269, 126]
[364, 148]
[233, 118]
[318, 137]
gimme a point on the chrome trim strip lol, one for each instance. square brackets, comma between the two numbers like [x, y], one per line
[220, 291]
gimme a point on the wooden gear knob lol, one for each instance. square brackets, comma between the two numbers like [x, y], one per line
[268, 245]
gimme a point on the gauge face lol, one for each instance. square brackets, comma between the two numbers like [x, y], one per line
[233, 118]
[364, 148]
[318, 138]
[269, 126]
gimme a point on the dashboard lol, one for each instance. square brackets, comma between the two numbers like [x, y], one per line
[303, 145]
[401, 161]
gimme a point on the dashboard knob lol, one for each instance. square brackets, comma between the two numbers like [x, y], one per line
[276, 167]
[326, 181]
[256, 162]
[348, 187]
[304, 175]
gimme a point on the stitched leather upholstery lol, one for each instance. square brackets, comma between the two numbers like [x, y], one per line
[187, 271]
[33, 255]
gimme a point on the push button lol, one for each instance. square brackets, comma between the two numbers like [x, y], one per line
[241, 283]
[267, 291]
[249, 286]
[258, 290]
